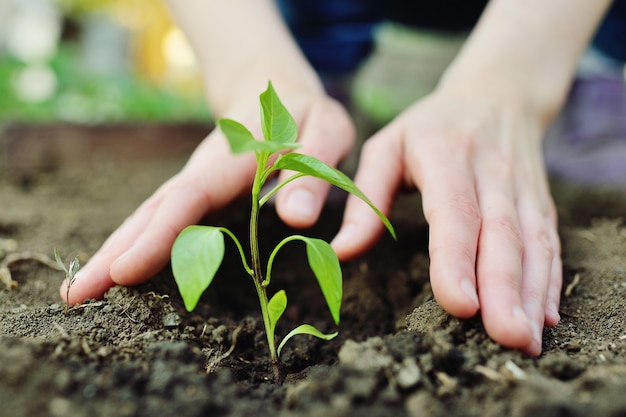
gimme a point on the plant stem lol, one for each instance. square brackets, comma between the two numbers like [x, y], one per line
[257, 273]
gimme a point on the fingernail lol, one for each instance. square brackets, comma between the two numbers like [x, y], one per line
[118, 265]
[537, 337]
[553, 311]
[301, 202]
[520, 316]
[469, 290]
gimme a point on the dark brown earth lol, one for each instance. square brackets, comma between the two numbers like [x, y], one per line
[138, 353]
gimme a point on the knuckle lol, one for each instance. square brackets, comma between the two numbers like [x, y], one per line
[510, 229]
[440, 252]
[459, 204]
[540, 240]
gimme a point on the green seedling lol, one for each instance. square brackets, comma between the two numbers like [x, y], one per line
[70, 275]
[199, 250]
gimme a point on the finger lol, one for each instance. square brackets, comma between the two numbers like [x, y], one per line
[204, 184]
[93, 280]
[556, 282]
[379, 175]
[552, 316]
[537, 267]
[452, 212]
[196, 192]
[499, 264]
[326, 134]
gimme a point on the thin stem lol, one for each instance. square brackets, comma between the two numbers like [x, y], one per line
[270, 262]
[257, 276]
[241, 252]
[278, 186]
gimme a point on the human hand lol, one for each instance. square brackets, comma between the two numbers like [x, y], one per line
[211, 179]
[493, 246]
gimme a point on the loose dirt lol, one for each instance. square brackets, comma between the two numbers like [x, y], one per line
[138, 353]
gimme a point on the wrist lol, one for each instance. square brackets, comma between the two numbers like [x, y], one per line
[229, 94]
[512, 88]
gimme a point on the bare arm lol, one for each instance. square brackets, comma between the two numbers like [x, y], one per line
[529, 49]
[241, 44]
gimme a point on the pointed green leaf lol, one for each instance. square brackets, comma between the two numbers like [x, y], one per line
[74, 267]
[278, 125]
[241, 139]
[276, 307]
[314, 167]
[305, 329]
[196, 256]
[57, 257]
[325, 266]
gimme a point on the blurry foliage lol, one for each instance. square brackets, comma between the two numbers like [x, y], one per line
[82, 97]
[75, 8]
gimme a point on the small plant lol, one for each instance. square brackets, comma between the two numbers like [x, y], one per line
[70, 275]
[199, 250]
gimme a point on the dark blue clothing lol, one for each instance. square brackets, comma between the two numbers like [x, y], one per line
[336, 35]
[610, 38]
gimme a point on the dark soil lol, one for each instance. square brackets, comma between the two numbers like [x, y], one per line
[138, 353]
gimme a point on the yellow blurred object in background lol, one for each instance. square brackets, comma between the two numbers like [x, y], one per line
[160, 49]
[160, 52]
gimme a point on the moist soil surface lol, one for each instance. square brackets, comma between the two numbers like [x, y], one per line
[137, 352]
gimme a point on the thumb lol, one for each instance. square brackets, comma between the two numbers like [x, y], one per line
[328, 135]
[379, 176]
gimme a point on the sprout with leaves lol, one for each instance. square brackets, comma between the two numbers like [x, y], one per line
[70, 275]
[199, 250]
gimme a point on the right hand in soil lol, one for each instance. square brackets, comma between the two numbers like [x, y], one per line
[493, 242]
[211, 179]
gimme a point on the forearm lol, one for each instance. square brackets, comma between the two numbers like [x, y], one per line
[241, 44]
[528, 50]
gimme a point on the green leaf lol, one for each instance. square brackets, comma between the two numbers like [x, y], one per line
[276, 307]
[278, 125]
[196, 256]
[241, 139]
[325, 266]
[314, 167]
[305, 329]
[57, 257]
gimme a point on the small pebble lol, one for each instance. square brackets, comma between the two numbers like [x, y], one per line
[171, 320]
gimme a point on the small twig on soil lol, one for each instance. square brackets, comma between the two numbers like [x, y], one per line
[488, 373]
[5, 277]
[570, 287]
[125, 311]
[31, 256]
[447, 381]
[13, 258]
[79, 306]
[511, 369]
[212, 364]
[155, 295]
[572, 315]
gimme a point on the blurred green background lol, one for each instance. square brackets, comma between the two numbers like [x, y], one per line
[95, 61]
